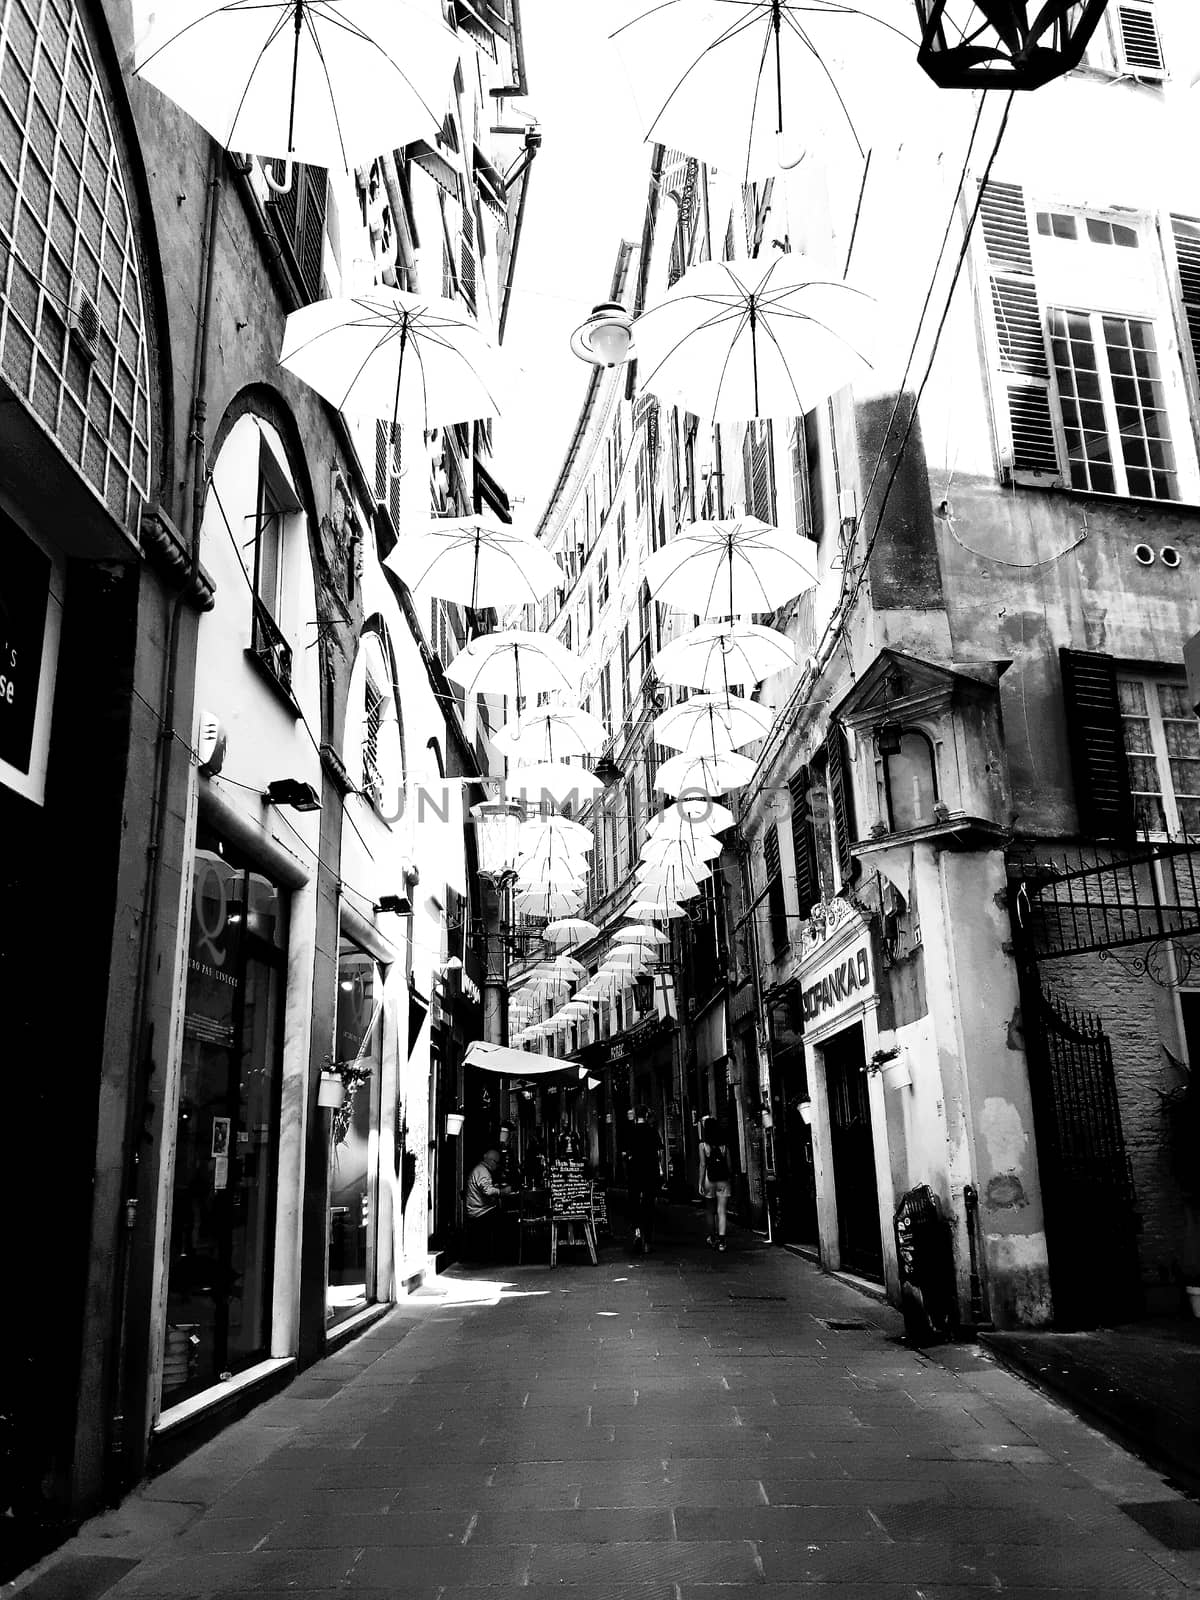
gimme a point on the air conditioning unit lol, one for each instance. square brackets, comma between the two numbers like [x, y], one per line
[83, 323]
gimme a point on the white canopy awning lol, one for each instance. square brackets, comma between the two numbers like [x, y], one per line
[514, 1063]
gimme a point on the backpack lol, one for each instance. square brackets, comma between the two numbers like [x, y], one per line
[717, 1166]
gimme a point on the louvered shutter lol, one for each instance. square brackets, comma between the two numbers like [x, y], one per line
[776, 901]
[1024, 371]
[467, 275]
[1139, 47]
[299, 219]
[1098, 760]
[387, 469]
[804, 845]
[841, 798]
[1186, 231]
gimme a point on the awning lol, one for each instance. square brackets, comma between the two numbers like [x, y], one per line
[516, 1063]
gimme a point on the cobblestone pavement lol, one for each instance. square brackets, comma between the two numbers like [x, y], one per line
[689, 1425]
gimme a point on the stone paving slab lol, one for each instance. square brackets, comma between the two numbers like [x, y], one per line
[682, 1427]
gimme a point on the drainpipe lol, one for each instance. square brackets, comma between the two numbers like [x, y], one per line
[141, 1064]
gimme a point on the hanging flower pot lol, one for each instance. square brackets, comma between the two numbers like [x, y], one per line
[454, 1123]
[331, 1091]
[896, 1075]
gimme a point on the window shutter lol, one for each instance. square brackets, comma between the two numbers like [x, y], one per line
[776, 903]
[1139, 45]
[468, 258]
[387, 469]
[841, 798]
[1025, 373]
[1186, 231]
[1098, 759]
[299, 217]
[808, 888]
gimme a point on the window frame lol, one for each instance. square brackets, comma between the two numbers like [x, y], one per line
[1168, 799]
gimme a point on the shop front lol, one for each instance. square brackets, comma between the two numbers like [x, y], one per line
[355, 1144]
[852, 1178]
[226, 1172]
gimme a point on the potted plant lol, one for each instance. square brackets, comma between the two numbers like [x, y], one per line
[340, 1083]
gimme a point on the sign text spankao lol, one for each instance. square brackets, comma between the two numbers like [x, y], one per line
[839, 986]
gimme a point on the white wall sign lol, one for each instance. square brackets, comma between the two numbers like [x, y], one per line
[844, 983]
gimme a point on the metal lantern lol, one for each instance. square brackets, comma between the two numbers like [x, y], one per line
[497, 831]
[1015, 44]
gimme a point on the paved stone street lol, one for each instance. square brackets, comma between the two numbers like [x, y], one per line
[688, 1425]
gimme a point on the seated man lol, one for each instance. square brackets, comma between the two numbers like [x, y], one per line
[482, 1200]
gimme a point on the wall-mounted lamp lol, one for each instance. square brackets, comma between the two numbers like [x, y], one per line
[607, 770]
[291, 792]
[888, 738]
[805, 1109]
[606, 338]
[398, 904]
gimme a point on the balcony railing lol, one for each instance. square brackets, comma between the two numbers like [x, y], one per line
[270, 646]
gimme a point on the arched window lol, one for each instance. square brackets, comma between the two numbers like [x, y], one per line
[374, 744]
[72, 319]
[908, 778]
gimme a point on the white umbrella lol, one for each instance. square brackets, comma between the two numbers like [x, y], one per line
[666, 883]
[536, 830]
[513, 1063]
[570, 932]
[746, 84]
[330, 82]
[703, 774]
[688, 816]
[656, 910]
[552, 733]
[647, 937]
[699, 845]
[399, 357]
[552, 855]
[567, 882]
[733, 340]
[515, 663]
[475, 561]
[731, 568]
[718, 656]
[548, 903]
[668, 872]
[556, 783]
[710, 724]
[623, 955]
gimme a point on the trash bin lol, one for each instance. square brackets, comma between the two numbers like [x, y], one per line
[925, 1253]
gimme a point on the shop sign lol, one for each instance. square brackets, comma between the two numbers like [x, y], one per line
[840, 986]
[623, 1045]
[24, 596]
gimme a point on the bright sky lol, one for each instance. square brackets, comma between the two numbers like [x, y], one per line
[587, 192]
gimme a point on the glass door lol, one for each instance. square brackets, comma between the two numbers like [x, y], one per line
[354, 1140]
[227, 1130]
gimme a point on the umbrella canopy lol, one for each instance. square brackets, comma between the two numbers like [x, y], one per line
[552, 733]
[744, 84]
[536, 830]
[658, 873]
[688, 816]
[552, 855]
[718, 656]
[548, 903]
[703, 774]
[472, 560]
[515, 663]
[569, 932]
[734, 340]
[666, 883]
[655, 910]
[399, 357]
[731, 568]
[698, 845]
[513, 1063]
[647, 937]
[711, 724]
[623, 955]
[553, 782]
[330, 82]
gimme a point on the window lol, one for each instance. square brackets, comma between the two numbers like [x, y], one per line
[841, 802]
[621, 550]
[1112, 404]
[299, 221]
[566, 635]
[602, 579]
[1162, 751]
[800, 506]
[639, 481]
[759, 468]
[776, 901]
[908, 783]
[805, 808]
[388, 468]
[1088, 397]
[631, 821]
[626, 694]
[268, 641]
[606, 696]
[644, 649]
[375, 702]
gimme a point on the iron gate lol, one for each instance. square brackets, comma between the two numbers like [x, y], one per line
[1087, 1184]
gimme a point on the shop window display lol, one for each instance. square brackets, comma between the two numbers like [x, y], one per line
[227, 1133]
[353, 1183]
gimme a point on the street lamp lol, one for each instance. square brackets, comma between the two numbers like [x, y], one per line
[497, 831]
[497, 836]
[1014, 44]
[606, 338]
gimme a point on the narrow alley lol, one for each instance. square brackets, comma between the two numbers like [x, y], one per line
[683, 1425]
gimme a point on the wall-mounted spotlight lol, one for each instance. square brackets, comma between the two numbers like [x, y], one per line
[398, 904]
[291, 792]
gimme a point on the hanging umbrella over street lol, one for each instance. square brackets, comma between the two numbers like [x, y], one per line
[647, 937]
[535, 831]
[688, 817]
[557, 783]
[407, 359]
[769, 337]
[731, 568]
[656, 910]
[718, 656]
[329, 82]
[665, 848]
[569, 933]
[750, 84]
[473, 561]
[665, 881]
[548, 903]
[682, 866]
[515, 663]
[552, 733]
[711, 725]
[704, 774]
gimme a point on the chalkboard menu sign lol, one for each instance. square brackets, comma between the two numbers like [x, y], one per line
[570, 1190]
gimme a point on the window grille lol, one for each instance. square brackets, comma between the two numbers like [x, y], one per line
[375, 704]
[66, 231]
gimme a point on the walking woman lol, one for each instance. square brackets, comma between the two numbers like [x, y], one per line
[716, 1174]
